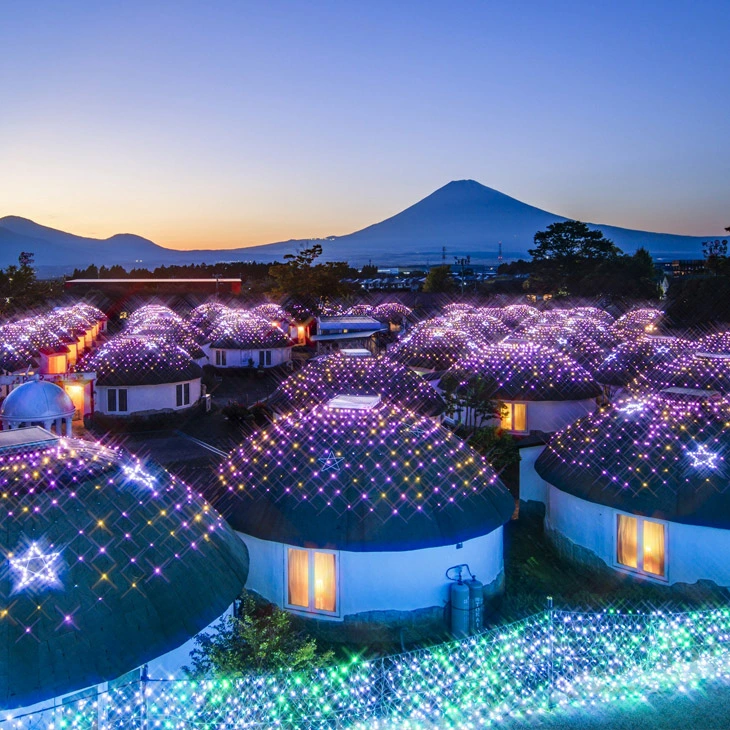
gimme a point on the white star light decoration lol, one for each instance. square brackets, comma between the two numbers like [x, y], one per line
[703, 457]
[634, 407]
[35, 569]
[137, 474]
[330, 461]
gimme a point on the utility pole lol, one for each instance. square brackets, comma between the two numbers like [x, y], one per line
[443, 255]
[499, 254]
[463, 263]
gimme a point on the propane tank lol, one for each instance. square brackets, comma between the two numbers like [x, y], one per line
[476, 605]
[459, 609]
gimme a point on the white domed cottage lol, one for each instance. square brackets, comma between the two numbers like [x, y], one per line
[353, 511]
[241, 339]
[143, 378]
[542, 389]
[108, 563]
[642, 488]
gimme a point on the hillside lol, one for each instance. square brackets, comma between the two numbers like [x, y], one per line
[464, 216]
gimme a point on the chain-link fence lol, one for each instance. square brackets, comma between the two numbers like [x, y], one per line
[551, 658]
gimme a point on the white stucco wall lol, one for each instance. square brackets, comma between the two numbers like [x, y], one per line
[533, 488]
[240, 358]
[692, 553]
[382, 581]
[551, 416]
[146, 398]
[545, 415]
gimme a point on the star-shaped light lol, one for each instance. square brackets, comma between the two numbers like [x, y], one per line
[331, 461]
[634, 407]
[35, 569]
[137, 474]
[703, 457]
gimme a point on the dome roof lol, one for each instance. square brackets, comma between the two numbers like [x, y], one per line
[239, 330]
[523, 371]
[664, 456]
[272, 312]
[108, 563]
[706, 371]
[392, 312]
[635, 323]
[36, 400]
[431, 344]
[622, 364]
[479, 328]
[206, 315]
[326, 377]
[716, 342]
[376, 479]
[133, 361]
[575, 343]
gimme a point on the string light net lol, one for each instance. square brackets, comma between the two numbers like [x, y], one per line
[431, 345]
[326, 377]
[663, 456]
[272, 312]
[206, 315]
[380, 478]
[625, 361]
[360, 310]
[134, 361]
[705, 371]
[718, 342]
[479, 328]
[394, 312]
[107, 562]
[636, 323]
[556, 659]
[573, 341]
[522, 371]
[240, 330]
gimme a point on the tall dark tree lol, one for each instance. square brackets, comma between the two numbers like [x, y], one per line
[572, 241]
[300, 277]
[565, 254]
[439, 280]
[715, 253]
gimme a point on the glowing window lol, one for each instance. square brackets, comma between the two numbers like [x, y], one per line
[641, 545]
[312, 580]
[514, 417]
[627, 542]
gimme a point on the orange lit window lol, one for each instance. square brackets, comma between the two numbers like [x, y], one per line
[514, 417]
[312, 580]
[56, 364]
[641, 545]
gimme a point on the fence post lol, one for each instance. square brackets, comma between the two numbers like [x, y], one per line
[551, 651]
[143, 679]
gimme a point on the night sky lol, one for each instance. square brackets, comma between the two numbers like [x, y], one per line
[235, 123]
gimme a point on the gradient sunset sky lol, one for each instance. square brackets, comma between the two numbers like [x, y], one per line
[222, 124]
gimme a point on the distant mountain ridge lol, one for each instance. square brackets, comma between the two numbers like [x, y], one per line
[468, 218]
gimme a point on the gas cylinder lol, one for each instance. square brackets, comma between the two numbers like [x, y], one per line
[460, 609]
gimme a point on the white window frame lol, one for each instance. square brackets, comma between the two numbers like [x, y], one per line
[220, 358]
[182, 395]
[310, 563]
[510, 405]
[639, 570]
[116, 408]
